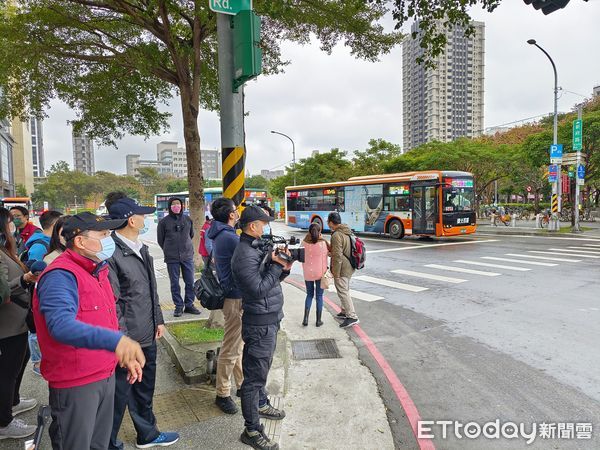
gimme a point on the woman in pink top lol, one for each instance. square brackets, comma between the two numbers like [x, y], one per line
[314, 267]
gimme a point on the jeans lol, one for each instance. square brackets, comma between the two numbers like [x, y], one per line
[138, 398]
[34, 348]
[175, 269]
[310, 293]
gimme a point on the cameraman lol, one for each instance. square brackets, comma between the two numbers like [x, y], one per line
[258, 272]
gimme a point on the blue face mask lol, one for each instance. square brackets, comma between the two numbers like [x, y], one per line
[144, 230]
[267, 229]
[108, 248]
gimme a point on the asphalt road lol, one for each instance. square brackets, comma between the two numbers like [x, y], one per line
[484, 328]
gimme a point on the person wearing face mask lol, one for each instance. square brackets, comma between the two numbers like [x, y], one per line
[25, 228]
[140, 318]
[174, 235]
[57, 243]
[258, 276]
[78, 333]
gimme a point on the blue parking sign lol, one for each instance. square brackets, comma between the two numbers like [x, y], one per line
[556, 153]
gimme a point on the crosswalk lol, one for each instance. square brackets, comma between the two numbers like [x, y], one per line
[434, 276]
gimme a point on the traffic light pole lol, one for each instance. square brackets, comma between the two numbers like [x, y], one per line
[233, 150]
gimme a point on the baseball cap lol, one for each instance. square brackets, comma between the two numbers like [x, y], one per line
[252, 213]
[86, 221]
[126, 207]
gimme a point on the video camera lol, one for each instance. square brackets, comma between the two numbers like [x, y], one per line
[269, 243]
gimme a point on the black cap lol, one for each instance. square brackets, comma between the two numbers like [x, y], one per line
[252, 213]
[126, 207]
[86, 221]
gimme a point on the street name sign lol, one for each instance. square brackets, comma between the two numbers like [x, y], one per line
[577, 134]
[231, 7]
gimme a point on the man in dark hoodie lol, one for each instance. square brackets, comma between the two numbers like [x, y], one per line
[225, 240]
[175, 233]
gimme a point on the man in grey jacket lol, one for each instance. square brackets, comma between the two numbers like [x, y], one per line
[140, 318]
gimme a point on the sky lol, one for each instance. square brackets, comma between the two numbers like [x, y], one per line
[324, 101]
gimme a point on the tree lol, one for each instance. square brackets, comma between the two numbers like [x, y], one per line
[257, 182]
[372, 160]
[114, 61]
[320, 168]
[21, 191]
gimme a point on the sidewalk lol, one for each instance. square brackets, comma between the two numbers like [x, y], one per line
[527, 228]
[329, 403]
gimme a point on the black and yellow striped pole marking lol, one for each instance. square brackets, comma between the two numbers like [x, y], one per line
[233, 173]
[554, 204]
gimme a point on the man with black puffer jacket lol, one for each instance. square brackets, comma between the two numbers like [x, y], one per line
[259, 281]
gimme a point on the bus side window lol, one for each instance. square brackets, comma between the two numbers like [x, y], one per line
[340, 202]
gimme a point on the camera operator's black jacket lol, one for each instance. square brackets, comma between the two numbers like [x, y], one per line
[262, 297]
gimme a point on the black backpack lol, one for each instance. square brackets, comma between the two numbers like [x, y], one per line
[208, 289]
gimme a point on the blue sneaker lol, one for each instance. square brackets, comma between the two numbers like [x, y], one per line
[163, 440]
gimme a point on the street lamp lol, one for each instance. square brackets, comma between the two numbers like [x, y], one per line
[293, 151]
[555, 186]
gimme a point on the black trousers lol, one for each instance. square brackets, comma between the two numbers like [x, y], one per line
[82, 415]
[259, 346]
[14, 354]
[138, 398]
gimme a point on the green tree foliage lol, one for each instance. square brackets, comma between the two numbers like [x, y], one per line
[21, 190]
[320, 168]
[371, 161]
[257, 182]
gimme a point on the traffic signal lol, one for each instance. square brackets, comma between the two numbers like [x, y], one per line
[548, 6]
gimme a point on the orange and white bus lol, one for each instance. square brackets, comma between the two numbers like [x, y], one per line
[428, 203]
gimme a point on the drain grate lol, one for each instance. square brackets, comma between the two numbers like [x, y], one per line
[315, 349]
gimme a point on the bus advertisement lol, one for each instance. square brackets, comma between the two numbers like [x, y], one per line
[161, 201]
[429, 203]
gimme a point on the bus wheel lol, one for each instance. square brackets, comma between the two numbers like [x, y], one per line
[318, 221]
[396, 229]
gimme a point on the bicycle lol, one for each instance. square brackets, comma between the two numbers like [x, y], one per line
[545, 219]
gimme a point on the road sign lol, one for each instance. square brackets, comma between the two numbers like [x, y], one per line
[552, 173]
[529, 189]
[231, 7]
[554, 203]
[577, 134]
[581, 172]
[556, 152]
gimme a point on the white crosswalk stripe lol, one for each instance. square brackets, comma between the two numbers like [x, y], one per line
[463, 270]
[497, 266]
[539, 252]
[389, 283]
[592, 245]
[545, 258]
[429, 276]
[531, 263]
[364, 296]
[577, 252]
[586, 249]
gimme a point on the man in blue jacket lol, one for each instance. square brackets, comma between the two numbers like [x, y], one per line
[258, 272]
[224, 241]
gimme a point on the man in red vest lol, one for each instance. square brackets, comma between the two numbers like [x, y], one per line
[78, 334]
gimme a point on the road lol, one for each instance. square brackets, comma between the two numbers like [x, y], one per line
[484, 328]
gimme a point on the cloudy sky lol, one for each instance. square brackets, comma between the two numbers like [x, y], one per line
[324, 101]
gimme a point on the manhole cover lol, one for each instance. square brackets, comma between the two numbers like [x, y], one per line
[315, 349]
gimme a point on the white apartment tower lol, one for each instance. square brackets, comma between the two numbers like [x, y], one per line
[83, 154]
[444, 103]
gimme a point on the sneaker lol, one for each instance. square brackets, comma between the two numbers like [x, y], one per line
[192, 310]
[226, 404]
[36, 369]
[25, 404]
[178, 312]
[163, 440]
[258, 440]
[269, 412]
[340, 315]
[349, 323]
[238, 393]
[17, 429]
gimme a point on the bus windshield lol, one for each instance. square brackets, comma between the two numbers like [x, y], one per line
[458, 196]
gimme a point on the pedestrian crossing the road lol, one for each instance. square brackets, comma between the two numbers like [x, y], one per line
[417, 281]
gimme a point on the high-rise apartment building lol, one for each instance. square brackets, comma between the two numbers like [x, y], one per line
[83, 154]
[37, 147]
[22, 155]
[7, 185]
[446, 102]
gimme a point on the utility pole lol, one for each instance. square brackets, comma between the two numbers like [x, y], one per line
[577, 144]
[293, 152]
[233, 153]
